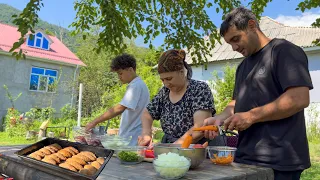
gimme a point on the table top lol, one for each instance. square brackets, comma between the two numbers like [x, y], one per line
[145, 170]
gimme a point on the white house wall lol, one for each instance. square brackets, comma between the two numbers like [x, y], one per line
[314, 68]
[199, 73]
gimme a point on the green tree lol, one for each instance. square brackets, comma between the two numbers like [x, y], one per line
[96, 77]
[184, 23]
[223, 87]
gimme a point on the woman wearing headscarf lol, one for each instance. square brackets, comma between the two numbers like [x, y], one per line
[180, 105]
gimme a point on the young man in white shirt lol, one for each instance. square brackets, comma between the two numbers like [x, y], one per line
[132, 104]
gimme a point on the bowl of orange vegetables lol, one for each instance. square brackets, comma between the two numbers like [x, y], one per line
[221, 155]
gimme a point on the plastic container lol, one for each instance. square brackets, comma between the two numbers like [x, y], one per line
[221, 155]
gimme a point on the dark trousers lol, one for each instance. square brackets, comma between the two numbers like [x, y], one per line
[287, 175]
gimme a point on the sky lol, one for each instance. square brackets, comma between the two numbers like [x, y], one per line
[61, 12]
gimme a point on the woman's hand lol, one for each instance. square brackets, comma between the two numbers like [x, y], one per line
[145, 140]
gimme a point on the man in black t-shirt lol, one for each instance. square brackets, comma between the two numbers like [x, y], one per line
[271, 91]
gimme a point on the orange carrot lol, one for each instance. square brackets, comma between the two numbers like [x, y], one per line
[204, 128]
[205, 144]
[187, 141]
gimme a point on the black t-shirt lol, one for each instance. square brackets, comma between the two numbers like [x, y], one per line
[260, 79]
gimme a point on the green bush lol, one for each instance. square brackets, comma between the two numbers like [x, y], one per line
[157, 137]
[114, 123]
[41, 114]
[68, 112]
[156, 124]
[223, 87]
[313, 128]
[60, 125]
[13, 123]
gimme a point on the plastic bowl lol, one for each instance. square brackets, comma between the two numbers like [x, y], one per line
[221, 155]
[171, 170]
[131, 155]
[115, 142]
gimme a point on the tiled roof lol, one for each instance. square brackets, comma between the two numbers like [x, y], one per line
[58, 52]
[301, 36]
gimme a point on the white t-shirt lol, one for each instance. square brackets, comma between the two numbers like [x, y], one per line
[135, 99]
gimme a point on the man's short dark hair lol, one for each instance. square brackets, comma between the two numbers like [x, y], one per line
[238, 17]
[123, 61]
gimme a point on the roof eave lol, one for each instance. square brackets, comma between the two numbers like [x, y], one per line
[43, 59]
[313, 48]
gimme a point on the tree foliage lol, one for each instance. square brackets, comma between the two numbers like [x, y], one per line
[184, 23]
[96, 76]
[223, 87]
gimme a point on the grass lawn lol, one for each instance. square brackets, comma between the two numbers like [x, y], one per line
[5, 140]
[314, 171]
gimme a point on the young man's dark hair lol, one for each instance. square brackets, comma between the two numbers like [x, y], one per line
[123, 61]
[238, 17]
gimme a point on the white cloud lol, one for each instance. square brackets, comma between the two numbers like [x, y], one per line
[305, 19]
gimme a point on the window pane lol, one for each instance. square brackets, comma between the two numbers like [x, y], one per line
[39, 34]
[51, 80]
[34, 82]
[31, 41]
[37, 70]
[51, 73]
[51, 84]
[45, 44]
[38, 42]
[43, 83]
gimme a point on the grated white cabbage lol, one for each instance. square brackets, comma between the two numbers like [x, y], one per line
[171, 165]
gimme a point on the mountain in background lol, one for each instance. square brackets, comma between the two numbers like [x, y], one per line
[63, 34]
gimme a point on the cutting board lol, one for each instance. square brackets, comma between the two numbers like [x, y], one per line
[148, 160]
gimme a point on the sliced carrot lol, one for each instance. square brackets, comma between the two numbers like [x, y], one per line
[222, 160]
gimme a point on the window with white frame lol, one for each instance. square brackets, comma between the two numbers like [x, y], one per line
[38, 40]
[43, 80]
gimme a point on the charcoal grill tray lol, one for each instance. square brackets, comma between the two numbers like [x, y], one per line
[59, 171]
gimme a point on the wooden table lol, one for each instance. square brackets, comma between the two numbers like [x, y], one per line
[143, 171]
